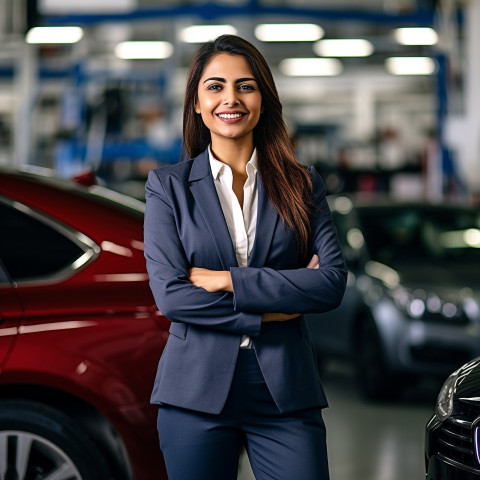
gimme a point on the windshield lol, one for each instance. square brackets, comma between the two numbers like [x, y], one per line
[399, 235]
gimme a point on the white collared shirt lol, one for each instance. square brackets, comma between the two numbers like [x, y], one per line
[241, 222]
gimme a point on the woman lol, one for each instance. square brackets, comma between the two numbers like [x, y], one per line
[239, 243]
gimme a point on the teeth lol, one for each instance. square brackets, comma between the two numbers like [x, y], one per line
[230, 115]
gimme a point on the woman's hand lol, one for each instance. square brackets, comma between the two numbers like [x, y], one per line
[278, 317]
[314, 262]
[211, 280]
[221, 281]
[283, 317]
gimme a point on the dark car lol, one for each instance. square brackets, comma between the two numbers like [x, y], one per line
[80, 336]
[412, 302]
[452, 440]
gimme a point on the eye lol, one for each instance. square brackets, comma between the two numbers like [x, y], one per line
[246, 87]
[214, 86]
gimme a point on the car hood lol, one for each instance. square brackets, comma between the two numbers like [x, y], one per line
[451, 281]
[467, 386]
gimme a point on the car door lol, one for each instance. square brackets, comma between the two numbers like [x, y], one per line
[33, 253]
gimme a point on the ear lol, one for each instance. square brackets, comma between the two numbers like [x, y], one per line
[197, 108]
[262, 109]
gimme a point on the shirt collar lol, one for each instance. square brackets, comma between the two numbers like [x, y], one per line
[217, 166]
[253, 161]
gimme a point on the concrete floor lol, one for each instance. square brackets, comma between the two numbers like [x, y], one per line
[369, 441]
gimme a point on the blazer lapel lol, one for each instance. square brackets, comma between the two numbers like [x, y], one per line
[206, 198]
[267, 218]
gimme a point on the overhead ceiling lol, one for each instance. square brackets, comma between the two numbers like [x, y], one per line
[339, 19]
[361, 79]
[373, 20]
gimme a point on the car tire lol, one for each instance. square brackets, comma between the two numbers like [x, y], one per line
[37, 441]
[373, 378]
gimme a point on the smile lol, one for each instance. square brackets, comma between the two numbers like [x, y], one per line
[230, 115]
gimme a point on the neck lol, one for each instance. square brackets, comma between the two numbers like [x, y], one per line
[233, 153]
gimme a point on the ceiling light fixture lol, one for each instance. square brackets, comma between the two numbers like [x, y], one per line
[410, 65]
[310, 67]
[345, 47]
[415, 36]
[155, 50]
[205, 33]
[41, 35]
[288, 32]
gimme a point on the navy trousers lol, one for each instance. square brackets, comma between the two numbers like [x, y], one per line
[199, 446]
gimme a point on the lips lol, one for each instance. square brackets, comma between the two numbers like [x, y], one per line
[231, 117]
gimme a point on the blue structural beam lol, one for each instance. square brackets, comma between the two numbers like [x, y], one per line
[7, 71]
[212, 11]
[140, 149]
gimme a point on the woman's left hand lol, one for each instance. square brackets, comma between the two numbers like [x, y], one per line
[211, 280]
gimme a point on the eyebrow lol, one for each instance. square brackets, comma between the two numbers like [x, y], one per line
[239, 80]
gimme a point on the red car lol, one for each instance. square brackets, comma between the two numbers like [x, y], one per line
[80, 336]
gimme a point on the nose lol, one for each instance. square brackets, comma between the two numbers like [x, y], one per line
[230, 96]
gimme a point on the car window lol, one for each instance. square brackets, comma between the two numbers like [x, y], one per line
[4, 278]
[30, 248]
[413, 234]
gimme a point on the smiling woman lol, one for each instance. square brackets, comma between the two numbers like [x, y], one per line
[287, 184]
[239, 242]
[229, 101]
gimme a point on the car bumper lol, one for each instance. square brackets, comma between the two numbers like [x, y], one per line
[432, 348]
[439, 469]
[423, 347]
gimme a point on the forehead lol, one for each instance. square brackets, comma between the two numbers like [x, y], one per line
[226, 65]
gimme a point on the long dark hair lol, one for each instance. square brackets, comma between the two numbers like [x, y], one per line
[287, 183]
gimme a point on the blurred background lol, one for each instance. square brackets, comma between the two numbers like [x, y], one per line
[380, 95]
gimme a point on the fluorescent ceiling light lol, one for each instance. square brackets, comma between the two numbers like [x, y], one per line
[205, 33]
[410, 65]
[143, 50]
[416, 36]
[343, 48]
[288, 32]
[62, 7]
[310, 67]
[54, 35]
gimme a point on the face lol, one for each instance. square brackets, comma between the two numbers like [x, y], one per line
[229, 99]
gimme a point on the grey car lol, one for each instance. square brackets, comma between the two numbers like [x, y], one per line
[411, 307]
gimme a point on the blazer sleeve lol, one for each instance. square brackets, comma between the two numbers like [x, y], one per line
[300, 290]
[167, 265]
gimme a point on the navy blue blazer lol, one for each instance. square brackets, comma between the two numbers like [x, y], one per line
[184, 228]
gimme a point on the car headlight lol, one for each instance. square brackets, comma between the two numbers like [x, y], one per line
[444, 406]
[428, 307]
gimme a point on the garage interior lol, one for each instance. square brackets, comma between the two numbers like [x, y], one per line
[390, 115]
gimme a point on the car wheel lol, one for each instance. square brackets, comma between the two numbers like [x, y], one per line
[37, 441]
[374, 380]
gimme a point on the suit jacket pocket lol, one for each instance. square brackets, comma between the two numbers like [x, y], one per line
[179, 330]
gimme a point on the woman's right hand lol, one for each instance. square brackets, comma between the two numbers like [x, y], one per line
[278, 317]
[283, 317]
